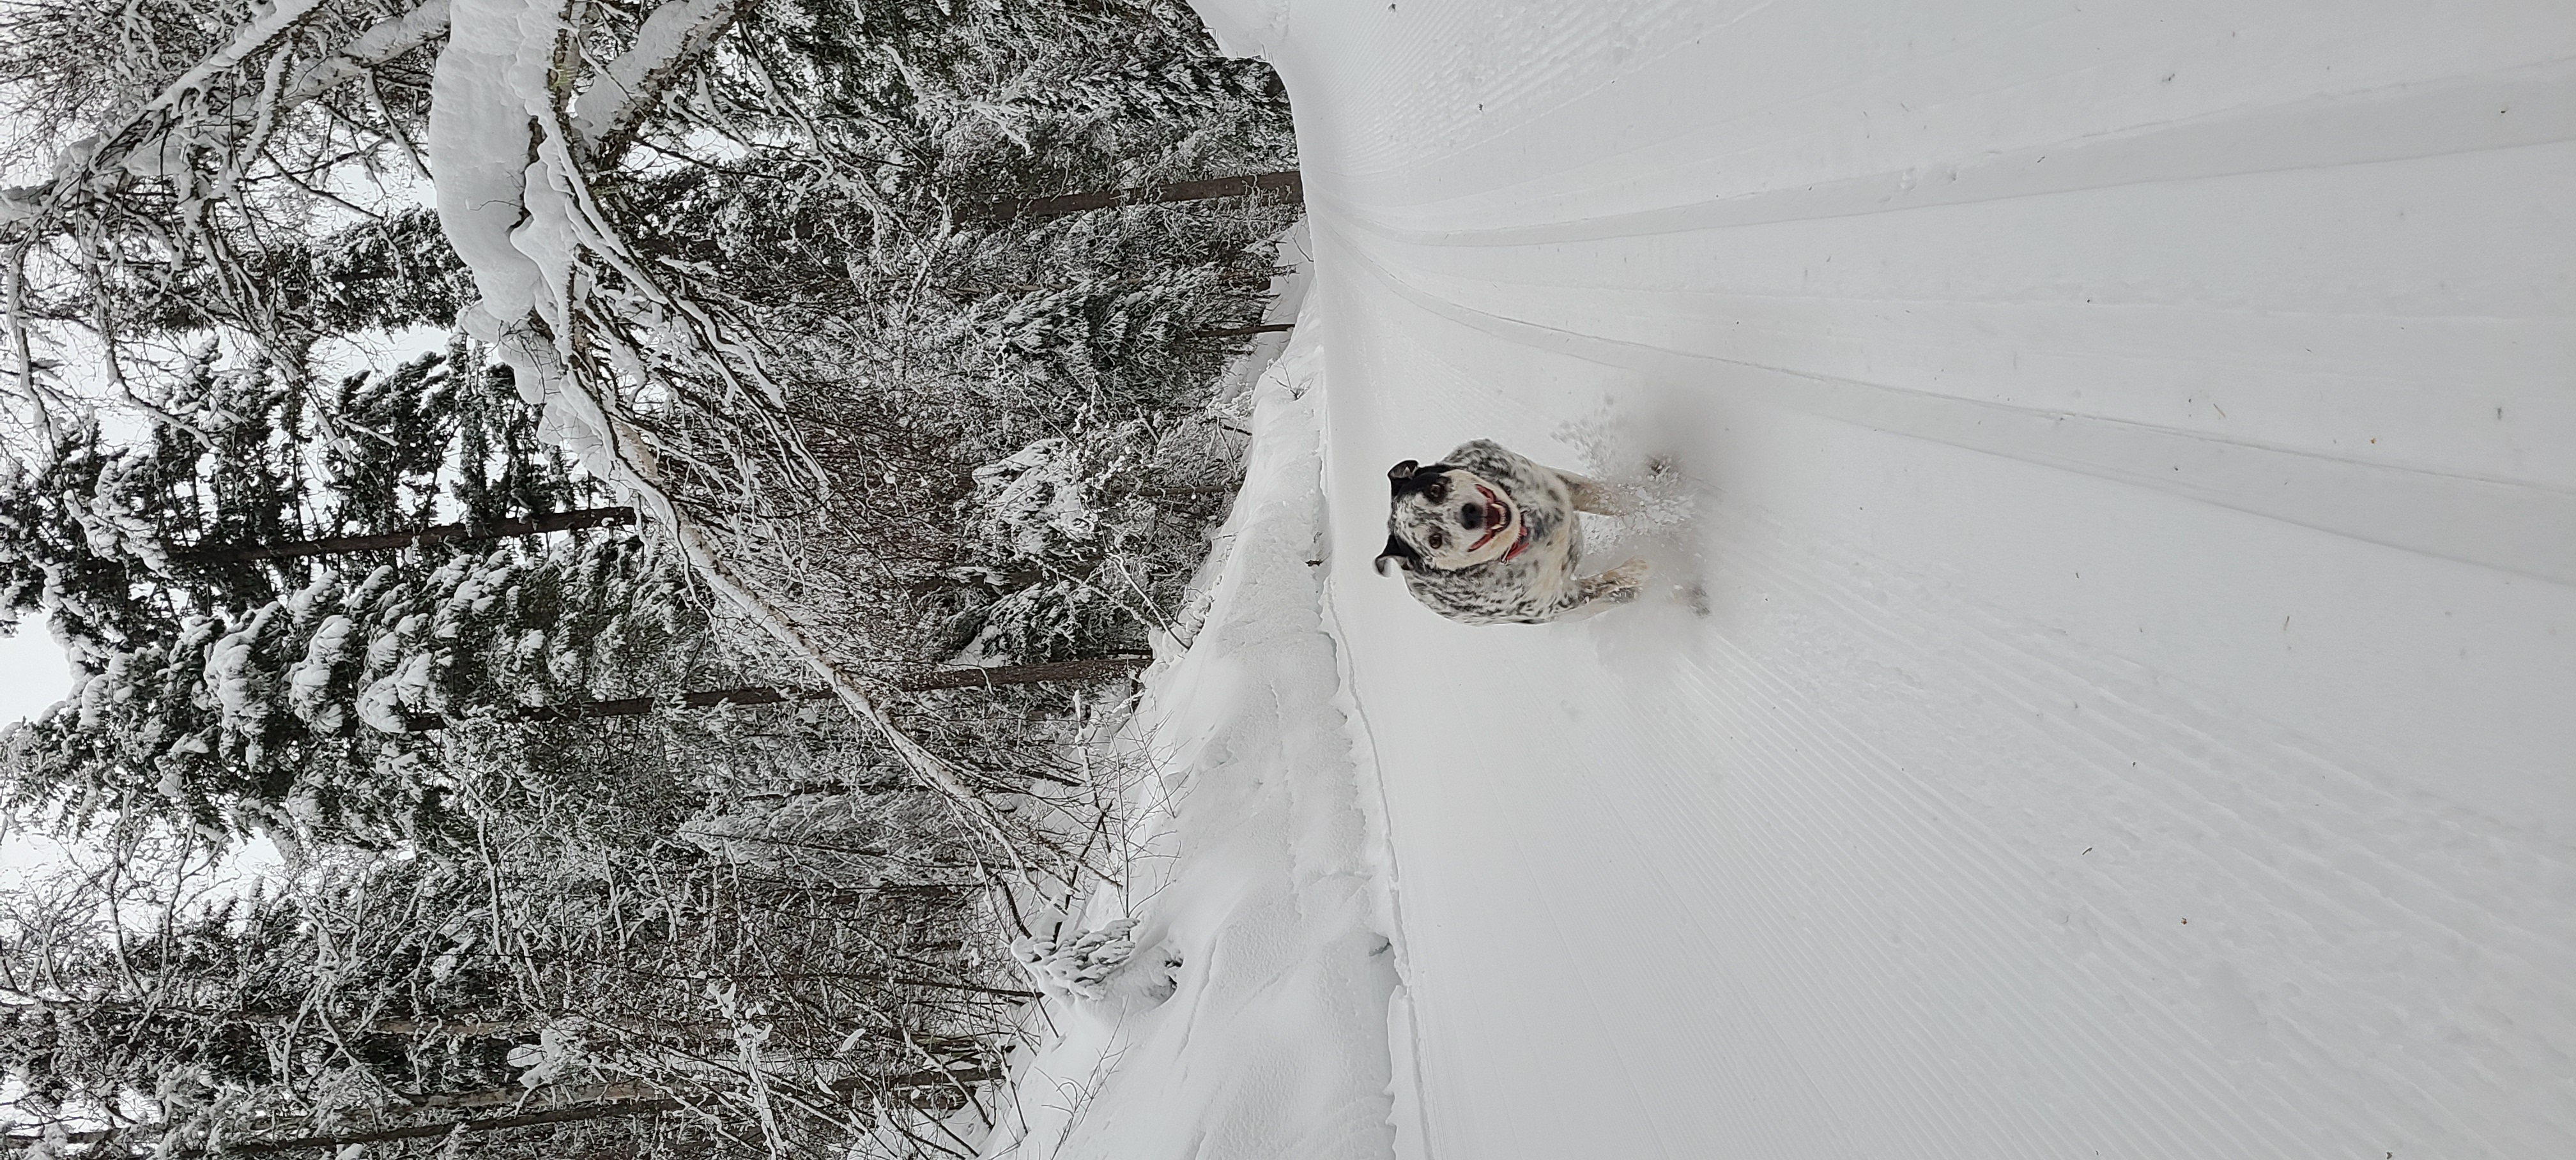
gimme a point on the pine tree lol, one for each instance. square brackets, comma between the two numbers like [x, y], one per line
[276, 695]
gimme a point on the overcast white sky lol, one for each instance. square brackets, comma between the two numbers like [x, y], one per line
[32, 676]
[32, 672]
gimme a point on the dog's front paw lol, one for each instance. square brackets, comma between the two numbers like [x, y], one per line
[1620, 584]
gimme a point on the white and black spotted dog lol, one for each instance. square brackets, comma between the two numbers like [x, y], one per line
[1490, 537]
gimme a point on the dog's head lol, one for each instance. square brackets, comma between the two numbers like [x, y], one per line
[1445, 517]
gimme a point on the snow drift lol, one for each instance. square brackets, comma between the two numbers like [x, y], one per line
[1249, 1018]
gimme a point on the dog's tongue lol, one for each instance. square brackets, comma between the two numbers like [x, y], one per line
[1493, 527]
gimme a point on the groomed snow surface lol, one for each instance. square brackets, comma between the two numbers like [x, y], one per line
[2110, 682]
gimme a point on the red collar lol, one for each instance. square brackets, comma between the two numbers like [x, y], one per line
[1519, 545]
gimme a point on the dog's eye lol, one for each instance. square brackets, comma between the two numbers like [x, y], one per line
[1436, 492]
[1437, 541]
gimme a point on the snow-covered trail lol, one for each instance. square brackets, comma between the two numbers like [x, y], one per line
[2134, 707]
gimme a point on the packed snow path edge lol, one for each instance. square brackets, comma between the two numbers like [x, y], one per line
[1252, 869]
[2127, 713]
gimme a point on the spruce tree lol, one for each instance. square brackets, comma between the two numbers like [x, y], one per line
[276, 695]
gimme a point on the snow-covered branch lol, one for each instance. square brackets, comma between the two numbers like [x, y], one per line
[155, 138]
[674, 38]
[384, 41]
[536, 243]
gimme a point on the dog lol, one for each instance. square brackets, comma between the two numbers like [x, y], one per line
[1488, 536]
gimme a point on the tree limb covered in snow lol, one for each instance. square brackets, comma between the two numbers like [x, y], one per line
[538, 247]
[161, 214]
[140, 141]
[673, 39]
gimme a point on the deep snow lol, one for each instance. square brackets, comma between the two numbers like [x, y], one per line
[2124, 705]
[1250, 1020]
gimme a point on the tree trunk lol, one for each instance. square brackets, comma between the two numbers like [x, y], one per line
[1094, 669]
[596, 1111]
[1100, 668]
[597, 1102]
[506, 1097]
[461, 1029]
[1243, 331]
[437, 534]
[1288, 184]
[968, 1073]
[564, 1115]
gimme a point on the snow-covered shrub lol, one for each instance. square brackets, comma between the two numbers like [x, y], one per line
[1076, 967]
[1058, 530]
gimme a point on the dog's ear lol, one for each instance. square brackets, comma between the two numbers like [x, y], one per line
[1397, 550]
[1402, 471]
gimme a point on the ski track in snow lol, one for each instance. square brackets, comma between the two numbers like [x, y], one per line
[2133, 501]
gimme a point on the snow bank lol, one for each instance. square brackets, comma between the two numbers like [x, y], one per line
[2123, 709]
[1251, 1019]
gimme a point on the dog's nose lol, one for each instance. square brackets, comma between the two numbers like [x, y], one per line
[1472, 516]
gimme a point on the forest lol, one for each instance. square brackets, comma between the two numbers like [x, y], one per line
[651, 508]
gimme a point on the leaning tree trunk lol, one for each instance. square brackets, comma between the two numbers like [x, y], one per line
[435, 534]
[606, 1109]
[1289, 185]
[593, 1111]
[1095, 669]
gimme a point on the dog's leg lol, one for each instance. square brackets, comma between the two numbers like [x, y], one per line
[1595, 593]
[1592, 495]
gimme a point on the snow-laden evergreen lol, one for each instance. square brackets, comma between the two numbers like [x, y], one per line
[1072, 964]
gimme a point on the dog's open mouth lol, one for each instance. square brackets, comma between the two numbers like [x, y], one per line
[1498, 516]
